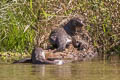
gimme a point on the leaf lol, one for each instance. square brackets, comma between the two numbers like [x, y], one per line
[31, 4]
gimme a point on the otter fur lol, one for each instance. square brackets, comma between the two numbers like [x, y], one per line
[62, 36]
[38, 57]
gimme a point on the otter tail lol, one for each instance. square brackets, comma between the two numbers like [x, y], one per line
[26, 60]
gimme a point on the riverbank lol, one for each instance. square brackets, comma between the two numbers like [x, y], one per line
[25, 23]
[9, 57]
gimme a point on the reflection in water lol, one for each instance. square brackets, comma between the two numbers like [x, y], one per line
[53, 71]
[39, 70]
[97, 70]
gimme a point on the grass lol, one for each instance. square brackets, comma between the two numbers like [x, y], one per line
[25, 23]
[15, 21]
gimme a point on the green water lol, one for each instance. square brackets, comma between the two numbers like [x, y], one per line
[96, 70]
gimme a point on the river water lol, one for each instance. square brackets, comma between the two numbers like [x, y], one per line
[94, 70]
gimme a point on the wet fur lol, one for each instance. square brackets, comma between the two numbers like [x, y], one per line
[38, 57]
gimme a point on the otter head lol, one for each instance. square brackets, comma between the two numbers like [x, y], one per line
[76, 22]
[76, 25]
[37, 54]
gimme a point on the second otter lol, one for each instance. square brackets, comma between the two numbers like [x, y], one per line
[61, 37]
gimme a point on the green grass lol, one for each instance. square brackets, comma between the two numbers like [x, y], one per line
[15, 23]
[24, 24]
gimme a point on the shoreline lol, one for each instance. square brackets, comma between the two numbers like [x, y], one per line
[9, 57]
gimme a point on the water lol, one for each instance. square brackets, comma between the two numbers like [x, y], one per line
[95, 70]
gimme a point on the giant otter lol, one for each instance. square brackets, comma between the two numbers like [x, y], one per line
[83, 42]
[38, 57]
[79, 43]
[62, 36]
[60, 39]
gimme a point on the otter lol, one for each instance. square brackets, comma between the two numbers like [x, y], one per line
[38, 57]
[80, 43]
[61, 37]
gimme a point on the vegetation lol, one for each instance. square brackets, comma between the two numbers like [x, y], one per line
[25, 23]
[15, 19]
